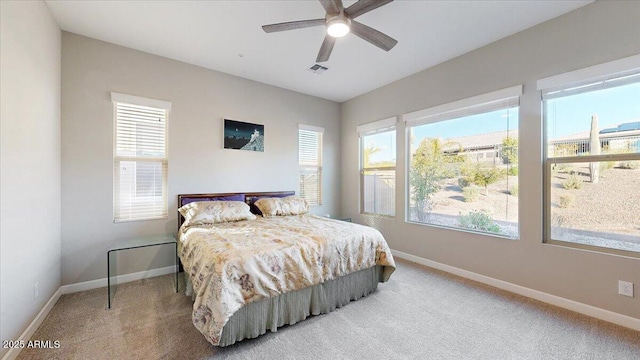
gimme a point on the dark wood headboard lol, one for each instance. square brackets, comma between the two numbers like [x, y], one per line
[250, 198]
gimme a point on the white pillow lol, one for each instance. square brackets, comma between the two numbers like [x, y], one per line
[213, 212]
[290, 205]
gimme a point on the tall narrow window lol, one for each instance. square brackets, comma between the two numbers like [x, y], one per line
[140, 158]
[592, 157]
[378, 167]
[310, 161]
[463, 164]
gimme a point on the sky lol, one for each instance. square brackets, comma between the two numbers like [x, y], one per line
[565, 116]
[499, 120]
[386, 142]
[572, 114]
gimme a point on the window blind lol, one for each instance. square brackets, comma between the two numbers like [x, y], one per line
[377, 126]
[497, 100]
[310, 162]
[590, 76]
[588, 86]
[140, 162]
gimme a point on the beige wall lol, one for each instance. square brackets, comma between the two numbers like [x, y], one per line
[201, 98]
[30, 162]
[600, 32]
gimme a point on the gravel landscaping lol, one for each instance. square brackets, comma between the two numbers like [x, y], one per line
[603, 214]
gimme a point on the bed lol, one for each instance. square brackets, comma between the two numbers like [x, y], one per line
[260, 273]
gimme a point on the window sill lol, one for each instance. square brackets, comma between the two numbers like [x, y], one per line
[382, 216]
[143, 219]
[468, 231]
[593, 248]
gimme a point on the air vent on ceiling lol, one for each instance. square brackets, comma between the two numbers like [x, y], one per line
[317, 69]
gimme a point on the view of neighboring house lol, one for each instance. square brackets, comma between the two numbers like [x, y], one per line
[484, 148]
[488, 147]
[624, 137]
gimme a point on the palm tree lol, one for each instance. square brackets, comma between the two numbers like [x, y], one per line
[366, 154]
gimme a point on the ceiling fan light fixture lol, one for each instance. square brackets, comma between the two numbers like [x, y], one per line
[338, 26]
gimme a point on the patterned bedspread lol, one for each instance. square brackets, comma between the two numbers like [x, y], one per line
[233, 264]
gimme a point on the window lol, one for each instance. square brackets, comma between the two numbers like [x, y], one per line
[140, 158]
[310, 161]
[592, 160]
[463, 164]
[378, 167]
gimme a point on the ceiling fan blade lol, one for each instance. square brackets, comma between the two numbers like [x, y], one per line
[373, 36]
[364, 6]
[332, 6]
[326, 48]
[292, 25]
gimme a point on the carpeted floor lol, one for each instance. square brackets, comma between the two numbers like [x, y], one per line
[419, 314]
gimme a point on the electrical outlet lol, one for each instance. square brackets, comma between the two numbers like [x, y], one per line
[625, 288]
[36, 290]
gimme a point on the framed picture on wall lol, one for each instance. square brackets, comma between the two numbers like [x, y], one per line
[243, 136]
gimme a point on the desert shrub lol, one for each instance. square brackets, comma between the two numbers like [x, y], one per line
[514, 190]
[487, 176]
[566, 200]
[561, 168]
[572, 182]
[607, 165]
[629, 165]
[463, 182]
[513, 171]
[429, 167]
[478, 220]
[471, 193]
[468, 169]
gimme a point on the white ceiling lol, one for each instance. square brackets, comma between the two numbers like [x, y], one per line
[227, 36]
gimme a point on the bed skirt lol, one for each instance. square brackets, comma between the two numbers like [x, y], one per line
[256, 318]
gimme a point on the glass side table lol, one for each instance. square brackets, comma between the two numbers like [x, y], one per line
[135, 243]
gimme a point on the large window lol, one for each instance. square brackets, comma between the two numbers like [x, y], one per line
[463, 164]
[592, 162]
[378, 167]
[310, 161]
[140, 158]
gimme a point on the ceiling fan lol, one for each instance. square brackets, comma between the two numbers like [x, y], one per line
[339, 22]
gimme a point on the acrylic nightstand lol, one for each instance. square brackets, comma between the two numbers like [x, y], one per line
[135, 243]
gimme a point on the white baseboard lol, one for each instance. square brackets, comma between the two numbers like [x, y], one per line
[120, 279]
[35, 324]
[77, 287]
[598, 313]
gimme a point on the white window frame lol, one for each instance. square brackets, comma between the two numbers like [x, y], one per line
[124, 99]
[319, 131]
[503, 98]
[610, 74]
[376, 127]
